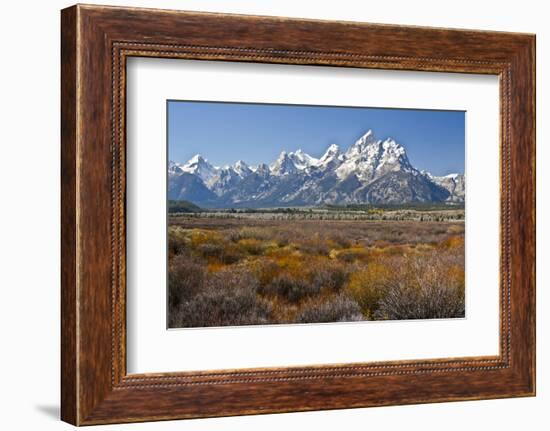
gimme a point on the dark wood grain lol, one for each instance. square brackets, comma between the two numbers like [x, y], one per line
[69, 397]
[96, 41]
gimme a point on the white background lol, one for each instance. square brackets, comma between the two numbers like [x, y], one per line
[29, 225]
[151, 348]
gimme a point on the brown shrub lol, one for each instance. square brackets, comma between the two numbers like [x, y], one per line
[231, 307]
[265, 270]
[350, 255]
[314, 246]
[210, 250]
[331, 275]
[231, 254]
[338, 308]
[232, 278]
[424, 288]
[257, 233]
[341, 240]
[291, 288]
[185, 279]
[229, 298]
[280, 269]
[178, 242]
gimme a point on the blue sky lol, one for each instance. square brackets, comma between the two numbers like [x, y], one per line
[256, 133]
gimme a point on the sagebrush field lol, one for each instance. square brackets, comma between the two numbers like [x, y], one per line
[287, 267]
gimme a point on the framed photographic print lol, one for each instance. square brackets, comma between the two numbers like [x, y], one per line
[267, 215]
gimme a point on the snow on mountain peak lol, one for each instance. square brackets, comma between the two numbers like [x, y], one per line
[390, 145]
[174, 168]
[454, 176]
[331, 155]
[197, 158]
[297, 176]
[302, 160]
[331, 151]
[369, 158]
[283, 165]
[241, 168]
[240, 164]
[366, 138]
[199, 166]
[363, 144]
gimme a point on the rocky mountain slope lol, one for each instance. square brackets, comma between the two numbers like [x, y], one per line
[371, 171]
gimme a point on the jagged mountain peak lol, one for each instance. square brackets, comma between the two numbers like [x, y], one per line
[371, 170]
[262, 169]
[197, 161]
[365, 145]
[240, 164]
[302, 160]
[199, 166]
[241, 168]
[174, 168]
[197, 158]
[366, 138]
[369, 158]
[332, 151]
[330, 158]
[283, 165]
[454, 183]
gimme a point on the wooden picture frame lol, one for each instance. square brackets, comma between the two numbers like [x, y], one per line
[95, 43]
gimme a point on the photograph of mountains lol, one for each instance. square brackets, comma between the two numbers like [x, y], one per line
[293, 214]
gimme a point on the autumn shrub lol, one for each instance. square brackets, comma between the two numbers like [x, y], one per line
[425, 287]
[225, 271]
[429, 301]
[341, 240]
[178, 241]
[233, 235]
[281, 252]
[368, 286]
[251, 246]
[338, 308]
[314, 246]
[292, 263]
[199, 236]
[185, 279]
[229, 297]
[265, 270]
[350, 255]
[454, 241]
[291, 288]
[211, 250]
[331, 275]
[456, 229]
[282, 240]
[222, 307]
[256, 233]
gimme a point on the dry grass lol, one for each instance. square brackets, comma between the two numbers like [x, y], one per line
[227, 271]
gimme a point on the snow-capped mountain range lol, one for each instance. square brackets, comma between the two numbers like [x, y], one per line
[371, 171]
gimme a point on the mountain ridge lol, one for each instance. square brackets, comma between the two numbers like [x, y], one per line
[370, 171]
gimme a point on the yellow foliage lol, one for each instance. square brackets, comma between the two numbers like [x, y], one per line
[456, 229]
[215, 266]
[200, 236]
[292, 264]
[350, 254]
[456, 274]
[368, 286]
[454, 242]
[251, 245]
[265, 269]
